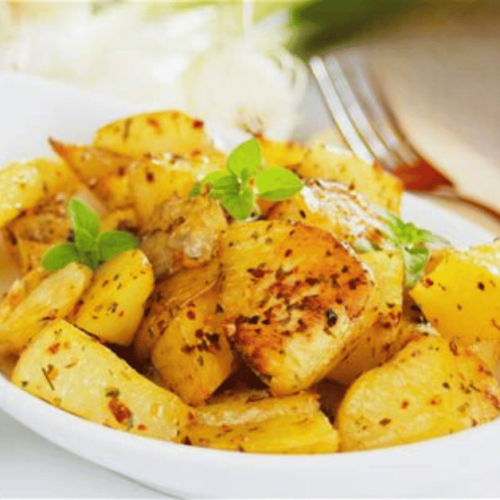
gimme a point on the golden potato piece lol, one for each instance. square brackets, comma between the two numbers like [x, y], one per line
[193, 356]
[161, 132]
[461, 295]
[7, 363]
[26, 185]
[293, 298]
[334, 208]
[288, 434]
[431, 388]
[28, 237]
[52, 299]
[251, 405]
[158, 179]
[183, 233]
[379, 338]
[90, 163]
[114, 191]
[168, 298]
[121, 220]
[113, 306]
[71, 370]
[330, 164]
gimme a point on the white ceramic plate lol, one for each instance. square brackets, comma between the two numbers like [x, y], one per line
[464, 464]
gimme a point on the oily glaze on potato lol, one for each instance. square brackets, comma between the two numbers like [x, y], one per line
[333, 207]
[461, 295]
[193, 356]
[252, 405]
[113, 306]
[73, 371]
[168, 298]
[329, 164]
[161, 132]
[183, 233]
[288, 434]
[293, 297]
[431, 388]
[53, 298]
[380, 335]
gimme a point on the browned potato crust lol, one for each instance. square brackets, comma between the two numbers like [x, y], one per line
[293, 298]
[183, 233]
[431, 388]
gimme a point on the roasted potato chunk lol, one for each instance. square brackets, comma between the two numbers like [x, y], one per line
[30, 235]
[52, 299]
[461, 296]
[69, 369]
[162, 132]
[431, 388]
[90, 163]
[247, 406]
[121, 220]
[379, 338]
[113, 306]
[157, 179]
[26, 185]
[168, 298]
[333, 207]
[193, 356]
[330, 164]
[183, 233]
[301, 295]
[288, 434]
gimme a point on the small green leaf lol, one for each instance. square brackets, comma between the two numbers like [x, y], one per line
[113, 243]
[60, 256]
[83, 217]
[208, 179]
[83, 240]
[239, 205]
[91, 259]
[245, 160]
[277, 183]
[415, 261]
[229, 184]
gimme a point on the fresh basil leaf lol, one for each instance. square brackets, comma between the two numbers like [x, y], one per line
[60, 256]
[239, 205]
[83, 240]
[113, 243]
[415, 259]
[82, 216]
[91, 259]
[229, 183]
[208, 179]
[245, 160]
[276, 183]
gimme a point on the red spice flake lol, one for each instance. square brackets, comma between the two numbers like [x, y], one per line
[152, 122]
[191, 314]
[428, 282]
[385, 421]
[454, 348]
[54, 348]
[198, 124]
[142, 427]
[288, 252]
[480, 285]
[120, 411]
[493, 399]
[404, 405]
[150, 177]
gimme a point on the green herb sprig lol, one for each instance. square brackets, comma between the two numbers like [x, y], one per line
[411, 240]
[245, 179]
[90, 246]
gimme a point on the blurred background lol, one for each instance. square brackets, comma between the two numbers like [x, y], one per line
[243, 64]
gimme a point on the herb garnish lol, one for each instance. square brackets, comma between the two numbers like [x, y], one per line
[411, 240]
[90, 247]
[245, 178]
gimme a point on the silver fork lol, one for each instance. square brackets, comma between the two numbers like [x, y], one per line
[371, 132]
